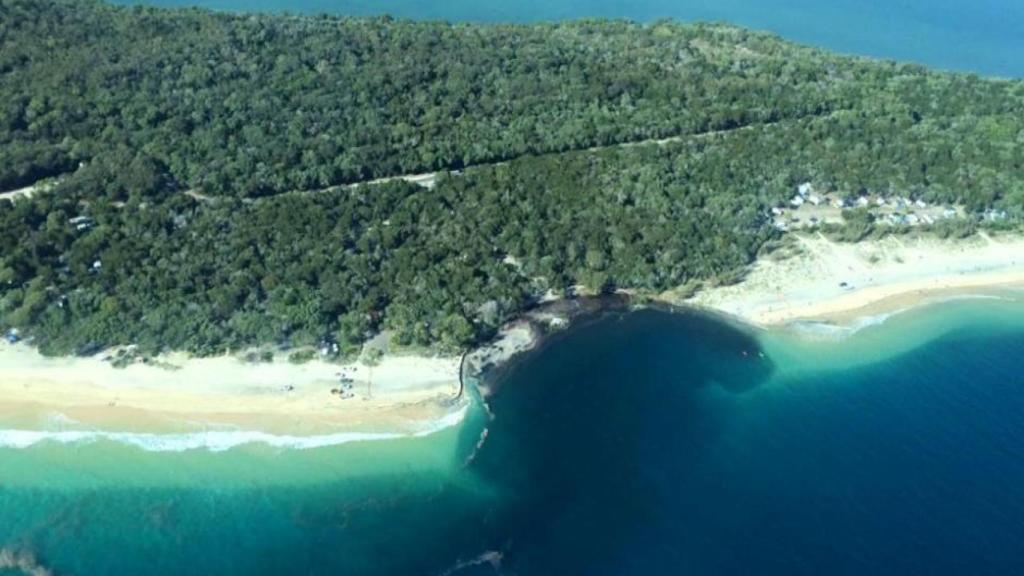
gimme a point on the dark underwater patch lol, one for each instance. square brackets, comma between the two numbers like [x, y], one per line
[572, 419]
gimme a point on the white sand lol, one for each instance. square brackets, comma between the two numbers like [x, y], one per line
[408, 393]
[401, 394]
[23, 192]
[888, 273]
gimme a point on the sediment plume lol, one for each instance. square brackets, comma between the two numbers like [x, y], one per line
[23, 561]
[491, 557]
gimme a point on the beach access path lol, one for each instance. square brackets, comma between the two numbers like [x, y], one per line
[26, 192]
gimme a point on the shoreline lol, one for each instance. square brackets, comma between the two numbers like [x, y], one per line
[224, 399]
[181, 402]
[178, 402]
[822, 281]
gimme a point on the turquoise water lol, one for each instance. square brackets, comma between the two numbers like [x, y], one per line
[108, 508]
[983, 36]
[634, 443]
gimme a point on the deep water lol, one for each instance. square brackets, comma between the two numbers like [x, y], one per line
[983, 36]
[648, 442]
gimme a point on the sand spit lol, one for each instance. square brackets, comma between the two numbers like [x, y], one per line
[821, 280]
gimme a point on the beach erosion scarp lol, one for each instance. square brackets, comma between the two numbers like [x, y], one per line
[177, 402]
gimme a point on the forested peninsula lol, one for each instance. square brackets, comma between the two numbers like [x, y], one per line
[208, 182]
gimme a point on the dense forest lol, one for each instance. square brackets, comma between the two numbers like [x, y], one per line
[198, 160]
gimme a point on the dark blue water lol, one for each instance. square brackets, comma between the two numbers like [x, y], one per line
[983, 36]
[661, 444]
[644, 443]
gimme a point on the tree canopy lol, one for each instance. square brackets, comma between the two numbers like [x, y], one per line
[203, 162]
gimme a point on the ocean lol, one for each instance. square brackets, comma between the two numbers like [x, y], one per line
[981, 36]
[634, 443]
[646, 442]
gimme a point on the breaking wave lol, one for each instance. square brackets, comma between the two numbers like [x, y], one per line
[218, 440]
[831, 331]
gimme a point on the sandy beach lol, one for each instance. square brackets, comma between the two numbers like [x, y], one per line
[818, 279]
[401, 394]
[812, 278]
[225, 401]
